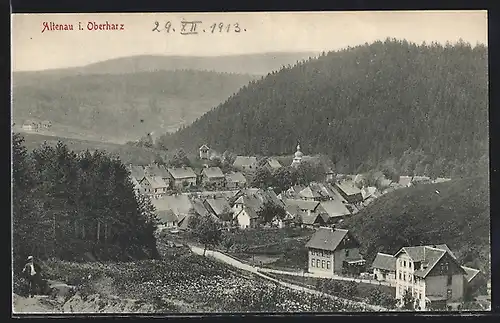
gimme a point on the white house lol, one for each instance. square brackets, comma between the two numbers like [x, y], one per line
[432, 274]
[204, 152]
[247, 218]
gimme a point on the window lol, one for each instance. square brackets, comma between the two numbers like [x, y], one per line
[347, 252]
[404, 263]
[312, 262]
[409, 264]
[419, 295]
[404, 276]
[399, 275]
[450, 279]
[410, 277]
[400, 263]
[322, 264]
[317, 263]
[449, 294]
[327, 265]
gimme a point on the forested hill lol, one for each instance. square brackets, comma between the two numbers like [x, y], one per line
[123, 106]
[360, 106]
[456, 213]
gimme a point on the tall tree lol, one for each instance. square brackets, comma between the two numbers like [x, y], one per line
[208, 231]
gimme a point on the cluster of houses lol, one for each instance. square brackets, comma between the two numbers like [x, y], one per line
[184, 191]
[431, 273]
[310, 205]
[34, 125]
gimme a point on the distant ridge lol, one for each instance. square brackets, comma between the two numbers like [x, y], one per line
[256, 64]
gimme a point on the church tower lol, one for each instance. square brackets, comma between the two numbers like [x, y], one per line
[298, 157]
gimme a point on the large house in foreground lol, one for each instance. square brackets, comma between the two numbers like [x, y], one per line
[334, 251]
[432, 274]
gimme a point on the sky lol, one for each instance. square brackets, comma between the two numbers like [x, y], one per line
[260, 32]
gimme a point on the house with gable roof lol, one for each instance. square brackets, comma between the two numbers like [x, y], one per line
[219, 207]
[213, 176]
[334, 251]
[245, 163]
[432, 274]
[235, 180]
[335, 210]
[272, 164]
[158, 171]
[182, 176]
[350, 192]
[167, 219]
[247, 218]
[153, 186]
[384, 267]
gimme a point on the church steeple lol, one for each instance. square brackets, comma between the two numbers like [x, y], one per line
[298, 156]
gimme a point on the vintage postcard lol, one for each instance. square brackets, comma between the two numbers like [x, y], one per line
[177, 163]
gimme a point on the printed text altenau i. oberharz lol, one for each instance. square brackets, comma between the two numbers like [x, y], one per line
[82, 26]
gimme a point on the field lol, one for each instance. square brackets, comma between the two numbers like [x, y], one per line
[187, 284]
[128, 154]
[273, 248]
[363, 292]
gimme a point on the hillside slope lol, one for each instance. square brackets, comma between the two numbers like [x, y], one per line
[254, 64]
[122, 106]
[360, 105]
[128, 154]
[456, 213]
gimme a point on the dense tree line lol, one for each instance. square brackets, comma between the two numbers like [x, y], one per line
[67, 204]
[283, 178]
[361, 106]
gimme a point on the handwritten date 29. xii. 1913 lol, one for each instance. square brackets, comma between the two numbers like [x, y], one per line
[195, 27]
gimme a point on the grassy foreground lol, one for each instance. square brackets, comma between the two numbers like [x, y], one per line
[186, 283]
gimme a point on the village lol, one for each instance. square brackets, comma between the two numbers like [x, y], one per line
[431, 274]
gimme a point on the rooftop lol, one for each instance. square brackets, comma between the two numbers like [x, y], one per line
[156, 182]
[179, 204]
[236, 177]
[302, 204]
[219, 205]
[213, 172]
[180, 173]
[429, 256]
[246, 161]
[471, 273]
[327, 239]
[384, 261]
[334, 208]
[348, 188]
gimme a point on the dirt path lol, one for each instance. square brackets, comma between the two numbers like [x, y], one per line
[257, 271]
[37, 304]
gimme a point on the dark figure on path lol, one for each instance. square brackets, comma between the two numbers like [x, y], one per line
[33, 273]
